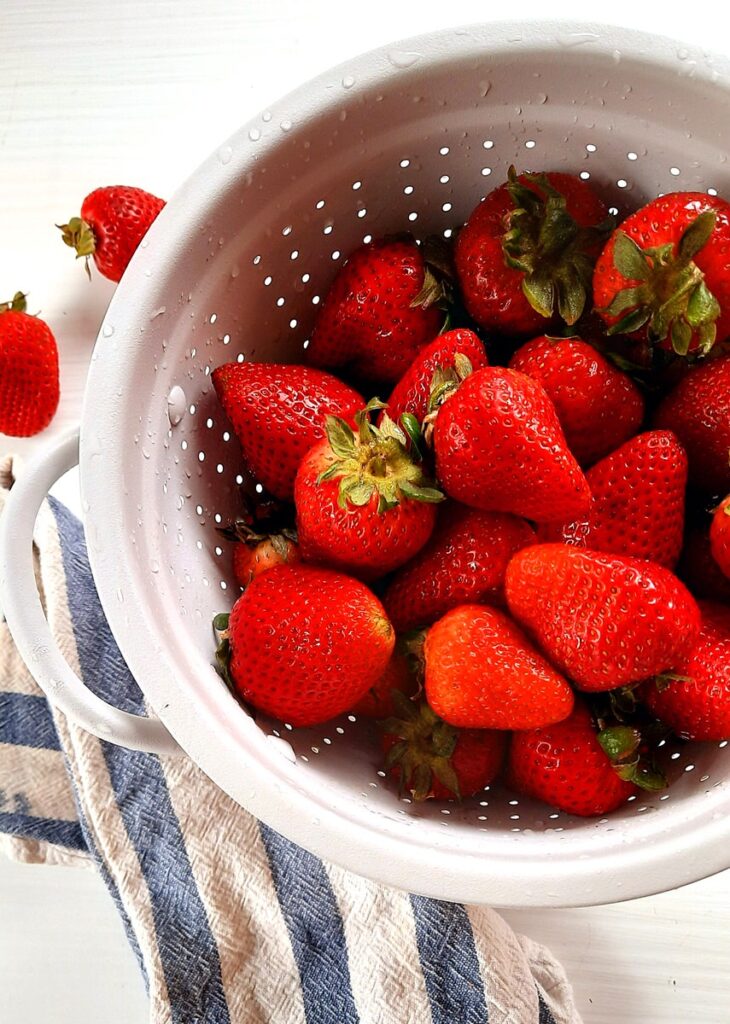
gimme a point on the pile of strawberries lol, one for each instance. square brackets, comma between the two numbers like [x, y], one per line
[490, 560]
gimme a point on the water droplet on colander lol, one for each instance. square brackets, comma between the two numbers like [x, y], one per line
[148, 272]
[235, 271]
[180, 502]
[120, 595]
[107, 330]
[542, 97]
[403, 58]
[285, 125]
[225, 153]
[254, 134]
[616, 55]
[266, 116]
[682, 53]
[348, 81]
[154, 565]
[576, 38]
[176, 405]
[158, 312]
[484, 87]
[146, 453]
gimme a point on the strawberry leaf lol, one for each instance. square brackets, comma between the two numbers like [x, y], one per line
[630, 261]
[413, 429]
[340, 437]
[462, 365]
[619, 741]
[697, 235]
[539, 292]
[420, 493]
[681, 335]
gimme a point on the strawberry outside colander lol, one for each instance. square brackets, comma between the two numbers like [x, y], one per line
[407, 137]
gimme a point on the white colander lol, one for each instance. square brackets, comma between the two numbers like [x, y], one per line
[407, 137]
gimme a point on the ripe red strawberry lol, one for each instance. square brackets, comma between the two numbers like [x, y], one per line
[378, 701]
[29, 389]
[113, 222]
[431, 759]
[698, 411]
[412, 392]
[664, 275]
[604, 620]
[363, 503]
[499, 447]
[307, 643]
[381, 309]
[598, 406]
[278, 413]
[697, 707]
[638, 502]
[527, 252]
[483, 673]
[464, 561]
[566, 766]
[720, 536]
[698, 570]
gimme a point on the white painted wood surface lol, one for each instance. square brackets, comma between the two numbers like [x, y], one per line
[100, 92]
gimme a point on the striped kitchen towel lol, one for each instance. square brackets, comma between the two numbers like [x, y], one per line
[230, 921]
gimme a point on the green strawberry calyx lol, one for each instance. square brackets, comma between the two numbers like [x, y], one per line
[556, 255]
[223, 649]
[445, 381]
[79, 235]
[439, 274]
[241, 531]
[16, 305]
[375, 461]
[669, 296]
[623, 745]
[424, 748]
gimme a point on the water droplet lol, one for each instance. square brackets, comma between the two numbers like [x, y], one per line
[254, 134]
[266, 116]
[348, 81]
[484, 87]
[120, 595]
[285, 125]
[146, 453]
[154, 565]
[576, 38]
[225, 153]
[107, 330]
[682, 53]
[180, 502]
[542, 97]
[176, 405]
[235, 271]
[85, 505]
[158, 312]
[403, 58]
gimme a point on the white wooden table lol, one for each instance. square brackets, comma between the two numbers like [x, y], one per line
[134, 92]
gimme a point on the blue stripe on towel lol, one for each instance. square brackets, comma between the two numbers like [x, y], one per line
[449, 962]
[188, 951]
[57, 832]
[313, 920]
[546, 1016]
[26, 721]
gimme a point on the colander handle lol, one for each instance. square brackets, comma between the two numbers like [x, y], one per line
[21, 605]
